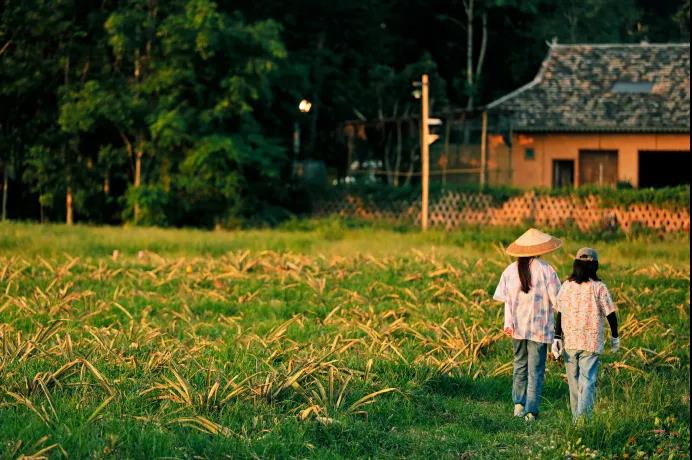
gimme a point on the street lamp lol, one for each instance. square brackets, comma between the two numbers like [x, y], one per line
[426, 138]
[304, 106]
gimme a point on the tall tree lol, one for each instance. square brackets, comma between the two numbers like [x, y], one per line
[182, 85]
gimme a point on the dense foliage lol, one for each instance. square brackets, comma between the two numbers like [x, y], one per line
[181, 112]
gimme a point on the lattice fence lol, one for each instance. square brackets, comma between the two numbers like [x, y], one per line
[454, 209]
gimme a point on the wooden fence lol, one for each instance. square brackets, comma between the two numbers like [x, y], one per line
[454, 209]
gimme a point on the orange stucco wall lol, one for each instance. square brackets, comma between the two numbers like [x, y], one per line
[549, 147]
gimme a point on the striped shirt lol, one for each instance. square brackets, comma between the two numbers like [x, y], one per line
[530, 315]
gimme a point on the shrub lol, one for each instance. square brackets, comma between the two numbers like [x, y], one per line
[154, 205]
[674, 198]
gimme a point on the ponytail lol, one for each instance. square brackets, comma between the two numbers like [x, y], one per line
[525, 273]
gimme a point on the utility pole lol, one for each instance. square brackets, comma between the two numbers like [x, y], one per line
[424, 152]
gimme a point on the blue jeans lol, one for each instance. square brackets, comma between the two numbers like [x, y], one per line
[582, 371]
[529, 371]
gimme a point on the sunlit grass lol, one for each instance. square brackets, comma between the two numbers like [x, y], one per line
[330, 341]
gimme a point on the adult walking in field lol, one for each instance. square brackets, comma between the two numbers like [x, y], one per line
[529, 287]
[583, 305]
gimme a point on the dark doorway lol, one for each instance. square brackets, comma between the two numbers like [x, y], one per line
[563, 173]
[664, 169]
[598, 167]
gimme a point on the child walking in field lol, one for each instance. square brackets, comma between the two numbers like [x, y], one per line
[528, 287]
[582, 305]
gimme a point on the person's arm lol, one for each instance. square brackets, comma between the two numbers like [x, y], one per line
[613, 323]
[558, 308]
[501, 295]
[553, 288]
[610, 312]
[508, 327]
[558, 326]
[557, 347]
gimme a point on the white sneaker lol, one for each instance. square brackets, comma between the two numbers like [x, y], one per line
[518, 410]
[529, 417]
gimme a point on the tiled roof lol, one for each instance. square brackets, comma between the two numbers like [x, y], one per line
[573, 90]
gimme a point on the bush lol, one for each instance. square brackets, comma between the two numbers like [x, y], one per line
[155, 205]
[382, 194]
[674, 198]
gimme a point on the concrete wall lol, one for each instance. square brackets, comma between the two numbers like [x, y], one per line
[549, 147]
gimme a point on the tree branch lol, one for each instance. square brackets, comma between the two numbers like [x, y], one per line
[5, 46]
[484, 46]
[469, 42]
[469, 52]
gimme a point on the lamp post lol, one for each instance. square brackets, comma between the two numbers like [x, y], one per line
[425, 151]
[426, 138]
[304, 107]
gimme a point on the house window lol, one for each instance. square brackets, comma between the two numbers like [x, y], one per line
[529, 154]
[632, 87]
[563, 173]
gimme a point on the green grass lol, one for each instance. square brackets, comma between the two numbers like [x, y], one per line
[142, 342]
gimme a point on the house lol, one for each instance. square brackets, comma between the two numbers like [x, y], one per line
[602, 114]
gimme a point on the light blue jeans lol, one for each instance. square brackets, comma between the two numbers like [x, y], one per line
[582, 371]
[529, 371]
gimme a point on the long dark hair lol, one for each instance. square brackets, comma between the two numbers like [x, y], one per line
[584, 270]
[525, 273]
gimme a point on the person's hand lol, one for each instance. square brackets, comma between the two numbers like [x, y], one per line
[614, 344]
[509, 332]
[556, 348]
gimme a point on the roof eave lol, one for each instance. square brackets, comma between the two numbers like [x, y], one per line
[602, 129]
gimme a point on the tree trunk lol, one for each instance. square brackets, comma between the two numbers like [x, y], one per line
[128, 147]
[138, 180]
[461, 150]
[397, 163]
[68, 204]
[5, 184]
[138, 168]
[469, 51]
[392, 170]
[572, 16]
[312, 139]
[318, 79]
[349, 148]
[387, 165]
[448, 131]
[484, 47]
[412, 154]
[40, 207]
[468, 7]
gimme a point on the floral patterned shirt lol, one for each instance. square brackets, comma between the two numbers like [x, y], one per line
[529, 314]
[583, 308]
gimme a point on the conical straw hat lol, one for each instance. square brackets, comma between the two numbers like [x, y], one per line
[533, 243]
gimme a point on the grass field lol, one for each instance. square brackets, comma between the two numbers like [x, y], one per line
[316, 341]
